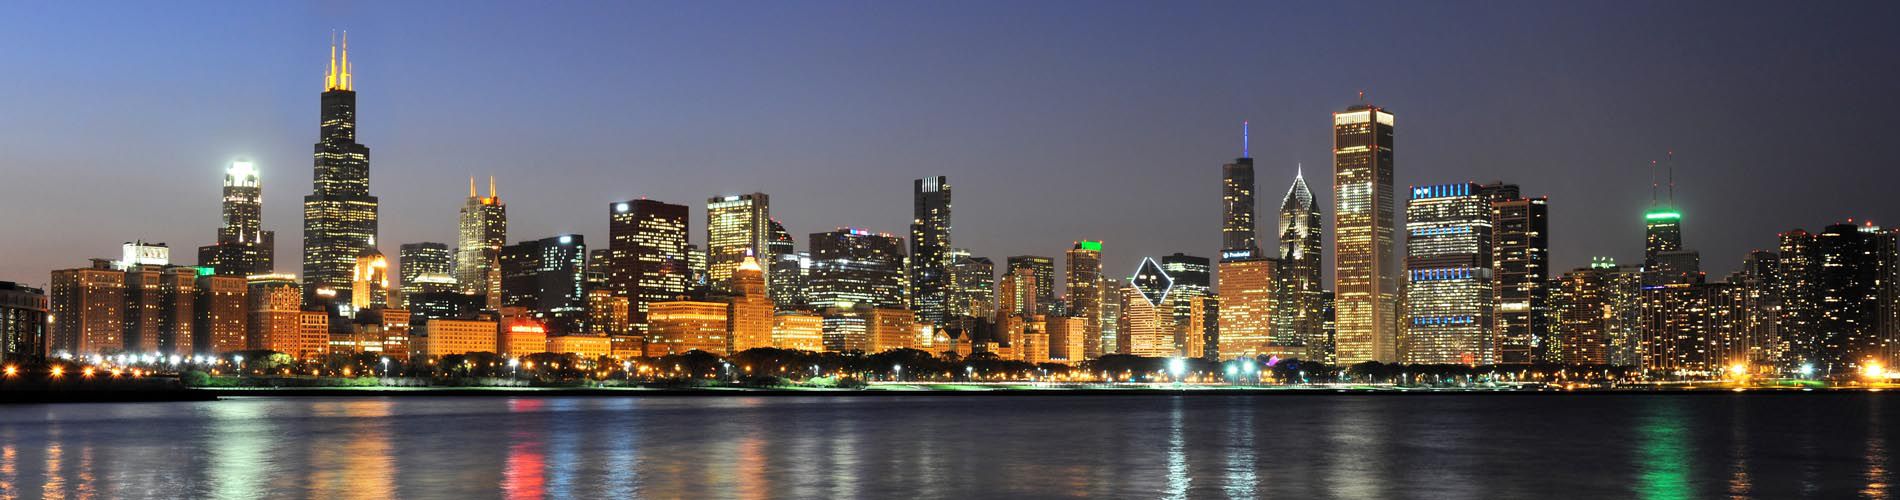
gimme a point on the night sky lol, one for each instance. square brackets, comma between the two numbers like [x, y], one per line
[1055, 120]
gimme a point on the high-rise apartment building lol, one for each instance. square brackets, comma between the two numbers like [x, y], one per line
[222, 321]
[1365, 270]
[275, 306]
[339, 215]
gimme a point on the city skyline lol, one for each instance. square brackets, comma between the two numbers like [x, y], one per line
[1182, 169]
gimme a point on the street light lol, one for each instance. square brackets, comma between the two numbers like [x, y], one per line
[899, 369]
[240, 363]
[1177, 367]
[385, 366]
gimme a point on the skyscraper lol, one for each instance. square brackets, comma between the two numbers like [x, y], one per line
[1449, 300]
[749, 312]
[478, 258]
[424, 267]
[1253, 295]
[1302, 321]
[1834, 285]
[244, 247]
[1084, 280]
[648, 243]
[339, 215]
[973, 285]
[547, 277]
[1193, 280]
[1520, 256]
[929, 238]
[1044, 269]
[369, 281]
[736, 226]
[1665, 260]
[785, 268]
[1365, 273]
[1237, 214]
[852, 266]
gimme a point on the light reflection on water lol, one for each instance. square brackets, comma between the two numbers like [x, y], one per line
[1343, 446]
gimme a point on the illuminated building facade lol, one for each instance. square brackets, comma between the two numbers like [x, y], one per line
[853, 266]
[1520, 263]
[750, 309]
[89, 307]
[1366, 272]
[1068, 339]
[798, 330]
[1084, 281]
[736, 226]
[890, 329]
[1838, 297]
[275, 304]
[972, 285]
[443, 337]
[647, 241]
[785, 268]
[607, 314]
[1147, 325]
[1044, 269]
[547, 277]
[223, 318]
[369, 282]
[1300, 323]
[679, 326]
[339, 215]
[313, 333]
[244, 248]
[1237, 230]
[929, 244]
[23, 312]
[1253, 295]
[1449, 301]
[424, 267]
[484, 230]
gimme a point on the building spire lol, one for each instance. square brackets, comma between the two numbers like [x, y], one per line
[338, 76]
[343, 79]
[491, 187]
[1672, 178]
[1652, 183]
[471, 186]
[1243, 140]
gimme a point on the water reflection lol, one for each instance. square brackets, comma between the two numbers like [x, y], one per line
[964, 447]
[1664, 452]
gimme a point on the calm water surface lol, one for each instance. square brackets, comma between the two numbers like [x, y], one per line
[1343, 446]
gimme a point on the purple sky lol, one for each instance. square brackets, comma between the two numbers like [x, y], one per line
[1054, 120]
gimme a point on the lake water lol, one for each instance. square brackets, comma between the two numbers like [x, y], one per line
[1149, 446]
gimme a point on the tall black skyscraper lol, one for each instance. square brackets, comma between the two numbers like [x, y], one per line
[1520, 263]
[929, 238]
[647, 239]
[1303, 321]
[244, 248]
[339, 215]
[548, 277]
[1237, 215]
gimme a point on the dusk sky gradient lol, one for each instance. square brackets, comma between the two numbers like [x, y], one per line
[1055, 120]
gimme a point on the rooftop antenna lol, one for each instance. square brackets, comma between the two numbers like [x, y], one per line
[1243, 140]
[471, 186]
[1652, 183]
[1362, 96]
[491, 187]
[1672, 178]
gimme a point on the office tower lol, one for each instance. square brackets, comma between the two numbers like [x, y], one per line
[1300, 322]
[1068, 339]
[1365, 272]
[1016, 294]
[484, 230]
[424, 267]
[339, 215]
[889, 329]
[736, 226]
[369, 284]
[547, 277]
[1586, 320]
[447, 336]
[798, 330]
[1111, 314]
[1193, 278]
[1759, 286]
[222, 320]
[1084, 280]
[1665, 260]
[274, 302]
[929, 239]
[1520, 261]
[1253, 295]
[750, 309]
[1045, 270]
[90, 306]
[853, 266]
[785, 270]
[972, 285]
[650, 263]
[608, 314]
[1449, 298]
[22, 321]
[244, 247]
[1147, 312]
[1237, 204]
[679, 326]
